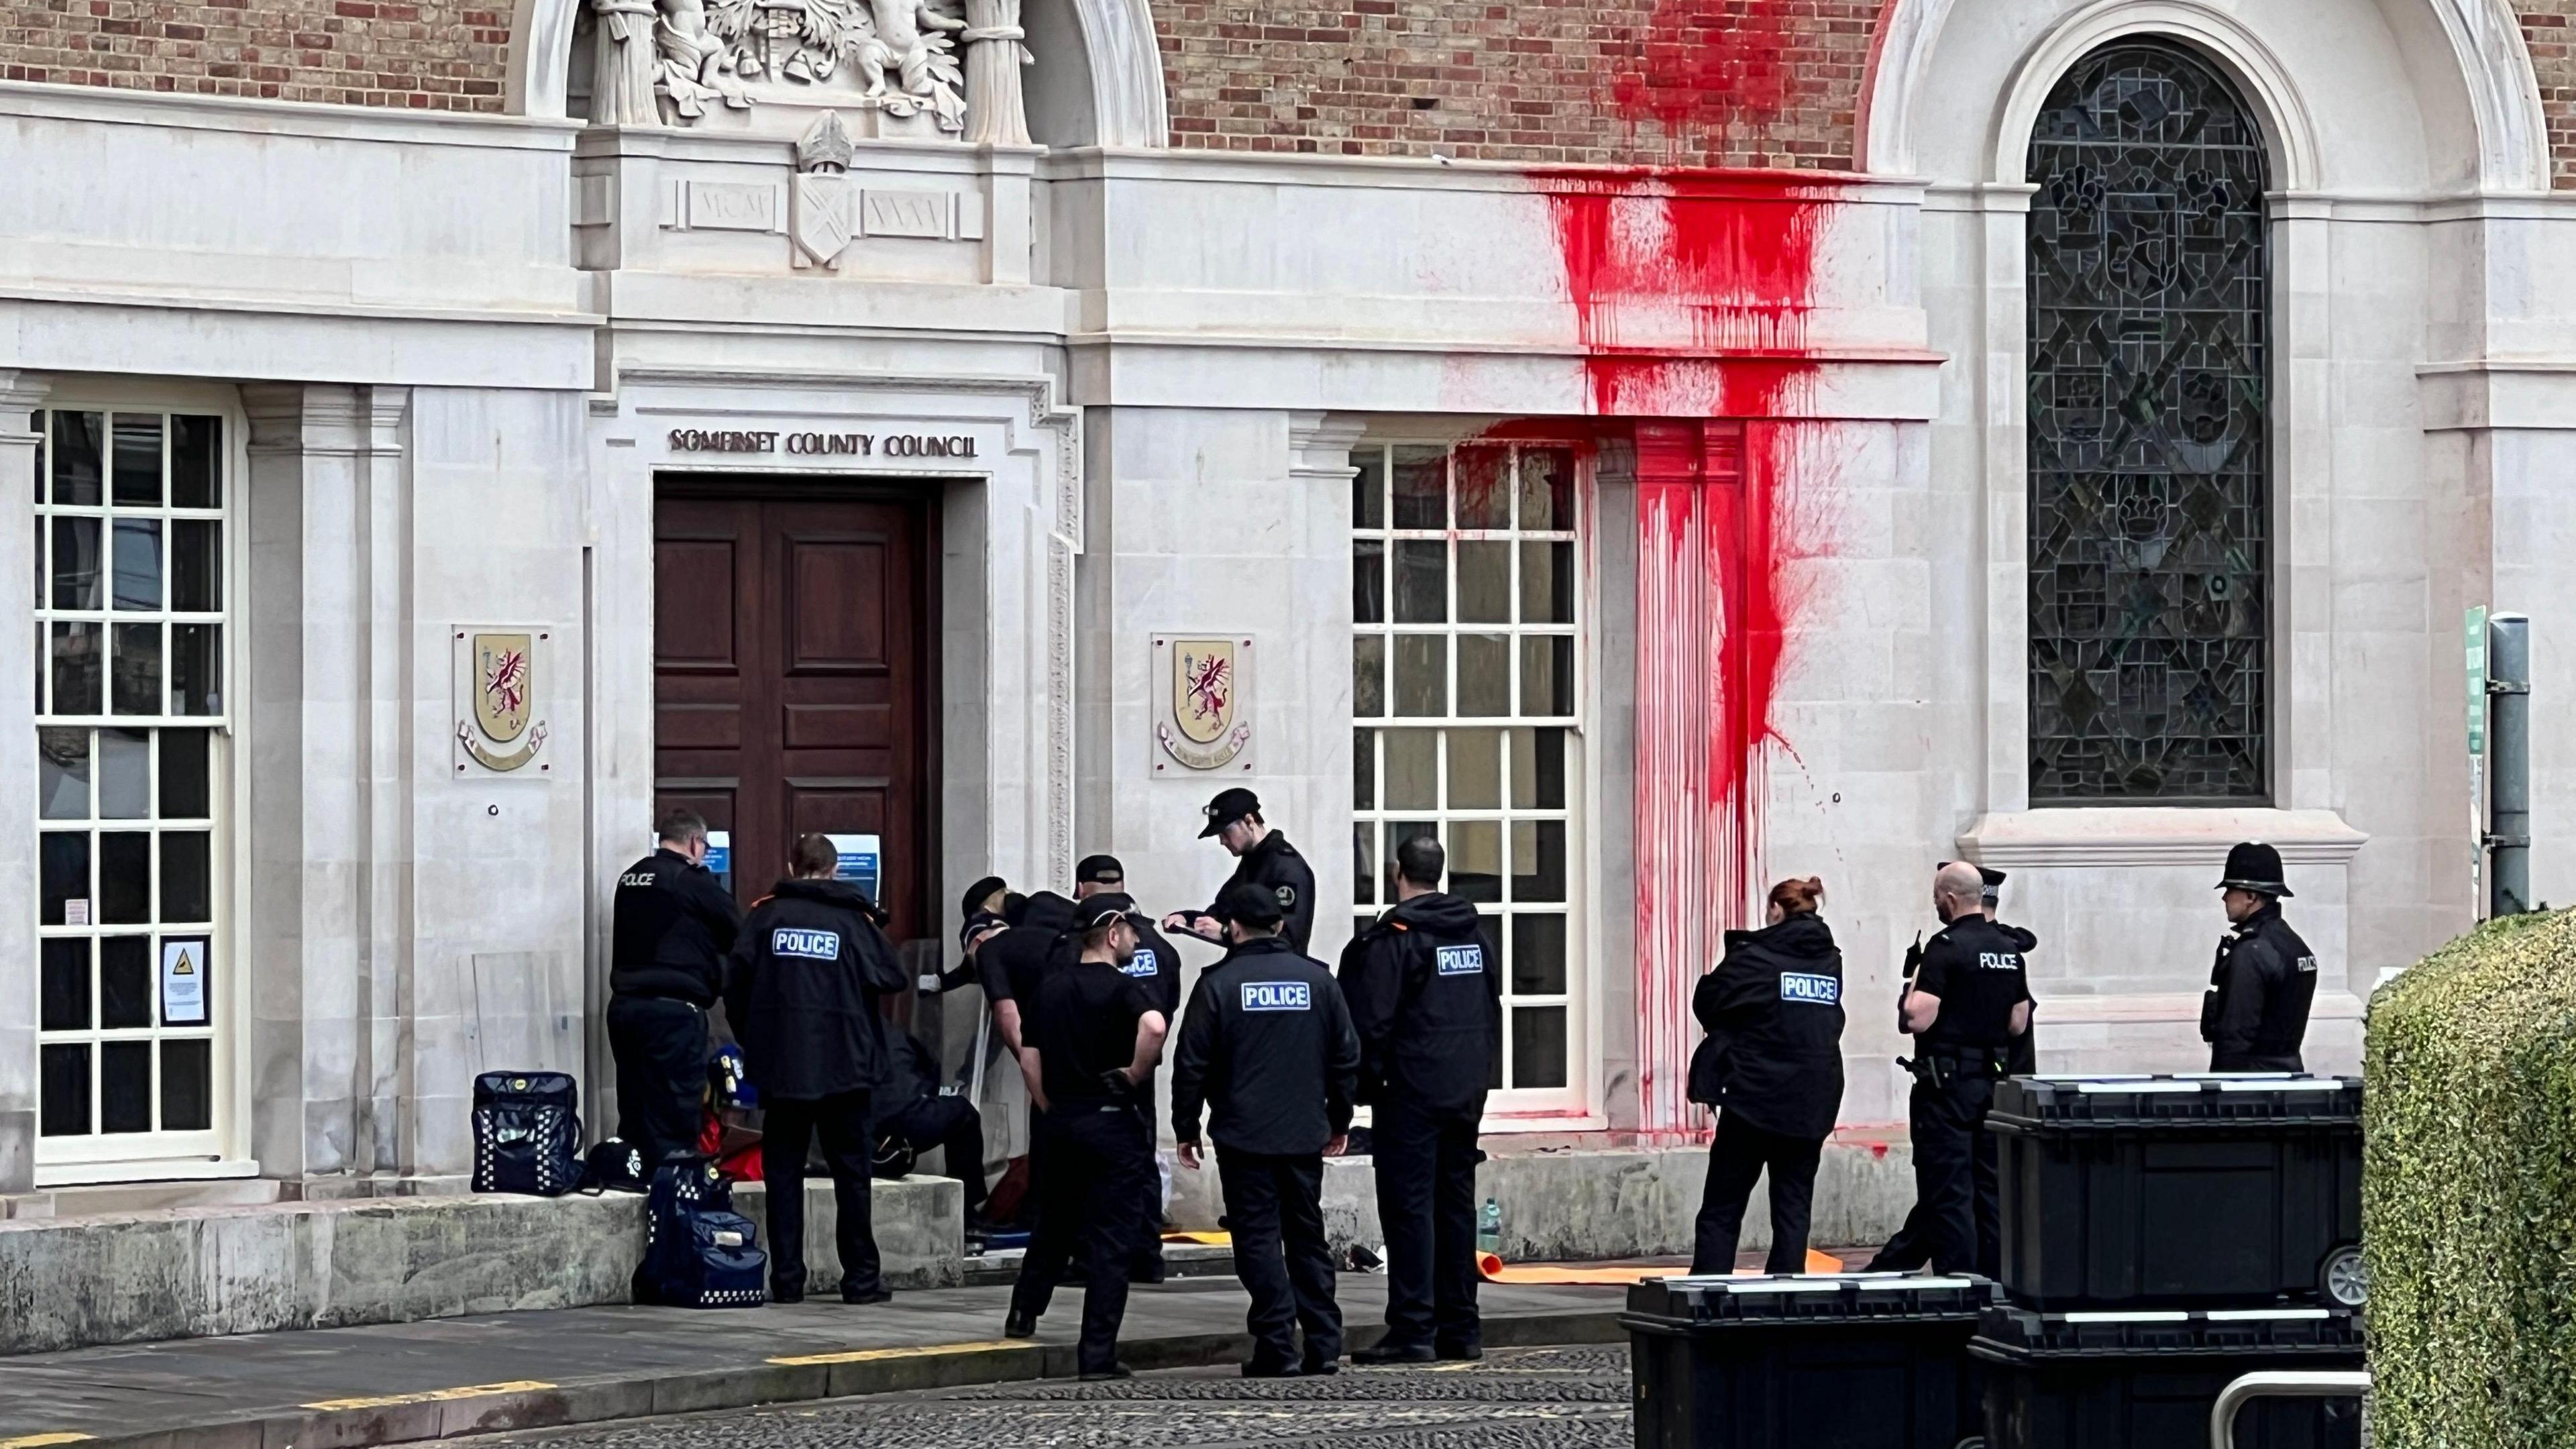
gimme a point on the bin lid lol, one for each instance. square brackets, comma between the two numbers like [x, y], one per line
[2213, 1099]
[1772, 1300]
[2006, 1334]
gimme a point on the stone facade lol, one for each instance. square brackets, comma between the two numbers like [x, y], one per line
[429, 56]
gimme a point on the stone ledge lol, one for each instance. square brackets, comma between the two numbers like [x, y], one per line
[188, 1272]
[2154, 835]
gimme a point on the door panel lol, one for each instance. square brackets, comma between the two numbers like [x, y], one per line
[791, 675]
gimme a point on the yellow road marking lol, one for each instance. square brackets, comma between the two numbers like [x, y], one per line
[38, 1441]
[865, 1355]
[434, 1396]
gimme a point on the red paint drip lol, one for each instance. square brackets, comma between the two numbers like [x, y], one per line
[1710, 65]
[1691, 293]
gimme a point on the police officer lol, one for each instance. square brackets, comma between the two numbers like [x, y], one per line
[1092, 1037]
[1159, 967]
[1911, 1248]
[802, 994]
[1268, 1044]
[672, 924]
[1969, 1000]
[1426, 998]
[1263, 857]
[2256, 1013]
[1773, 1061]
[913, 1115]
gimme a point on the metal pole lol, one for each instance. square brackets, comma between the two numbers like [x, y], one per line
[2278, 1384]
[2509, 779]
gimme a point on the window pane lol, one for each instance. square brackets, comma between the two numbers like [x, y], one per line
[196, 565]
[1538, 1046]
[66, 1090]
[1363, 769]
[124, 774]
[63, 873]
[138, 669]
[196, 462]
[1484, 583]
[39, 570]
[1421, 675]
[1538, 955]
[1364, 866]
[1368, 488]
[1547, 583]
[125, 1086]
[138, 460]
[1421, 488]
[187, 881]
[76, 572]
[187, 1086]
[1484, 487]
[1547, 675]
[1484, 676]
[124, 877]
[138, 563]
[1476, 859]
[1538, 769]
[1368, 676]
[78, 449]
[197, 669]
[1421, 582]
[1547, 490]
[1412, 770]
[1538, 860]
[186, 792]
[1475, 769]
[66, 984]
[37, 421]
[62, 774]
[125, 982]
[76, 669]
[1368, 581]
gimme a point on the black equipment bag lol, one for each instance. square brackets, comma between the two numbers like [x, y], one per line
[527, 1133]
[699, 1252]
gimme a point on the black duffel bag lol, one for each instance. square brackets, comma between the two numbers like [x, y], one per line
[527, 1133]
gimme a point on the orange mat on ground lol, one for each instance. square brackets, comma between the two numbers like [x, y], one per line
[1498, 1271]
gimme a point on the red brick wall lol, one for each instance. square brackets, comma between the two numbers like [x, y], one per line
[1704, 82]
[2549, 29]
[435, 54]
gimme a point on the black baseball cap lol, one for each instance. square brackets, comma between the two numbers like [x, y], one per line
[1099, 870]
[1228, 807]
[1103, 908]
[978, 893]
[1253, 905]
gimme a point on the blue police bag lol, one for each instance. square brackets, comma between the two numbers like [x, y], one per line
[699, 1252]
[527, 1133]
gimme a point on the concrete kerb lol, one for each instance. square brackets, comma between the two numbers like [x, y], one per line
[455, 1413]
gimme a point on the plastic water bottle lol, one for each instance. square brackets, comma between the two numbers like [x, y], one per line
[1489, 1228]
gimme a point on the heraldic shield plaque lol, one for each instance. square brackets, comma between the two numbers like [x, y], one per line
[500, 722]
[1202, 702]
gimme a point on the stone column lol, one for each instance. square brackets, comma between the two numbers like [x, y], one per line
[20, 394]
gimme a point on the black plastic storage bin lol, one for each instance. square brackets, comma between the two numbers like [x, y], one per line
[1811, 1361]
[2179, 1192]
[2147, 1380]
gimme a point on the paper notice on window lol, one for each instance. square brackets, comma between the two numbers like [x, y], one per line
[183, 983]
[76, 911]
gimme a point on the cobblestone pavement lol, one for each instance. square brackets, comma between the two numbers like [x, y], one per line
[1534, 1398]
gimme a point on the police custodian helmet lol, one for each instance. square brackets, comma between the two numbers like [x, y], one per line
[2254, 866]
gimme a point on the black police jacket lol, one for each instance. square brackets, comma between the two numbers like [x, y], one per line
[802, 990]
[1773, 1010]
[1156, 965]
[2022, 1058]
[1977, 970]
[1426, 995]
[1274, 865]
[907, 1070]
[1013, 964]
[1268, 1042]
[670, 926]
[2255, 1015]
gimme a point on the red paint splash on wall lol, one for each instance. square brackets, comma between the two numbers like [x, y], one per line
[1713, 65]
[1692, 292]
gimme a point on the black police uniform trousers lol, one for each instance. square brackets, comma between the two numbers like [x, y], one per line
[787, 1126]
[1739, 1153]
[952, 1125]
[1146, 1264]
[660, 1047]
[1275, 1206]
[1425, 1165]
[1954, 1166]
[1089, 1160]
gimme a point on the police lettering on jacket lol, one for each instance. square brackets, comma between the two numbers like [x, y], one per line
[671, 925]
[1773, 1012]
[1977, 972]
[1267, 1043]
[1427, 1003]
[2255, 1014]
[802, 989]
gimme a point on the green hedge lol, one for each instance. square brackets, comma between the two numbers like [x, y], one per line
[2469, 1192]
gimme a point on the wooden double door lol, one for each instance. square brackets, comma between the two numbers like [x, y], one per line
[793, 674]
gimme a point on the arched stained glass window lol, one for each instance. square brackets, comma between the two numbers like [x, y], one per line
[2150, 460]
